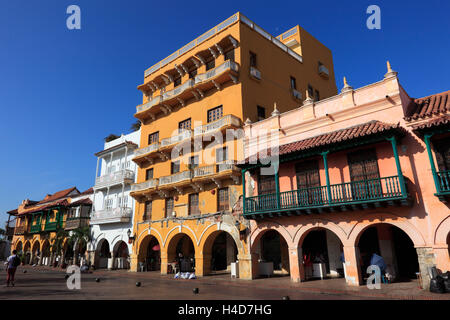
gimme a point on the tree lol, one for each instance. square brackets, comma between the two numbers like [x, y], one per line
[80, 237]
[58, 240]
[135, 126]
[111, 137]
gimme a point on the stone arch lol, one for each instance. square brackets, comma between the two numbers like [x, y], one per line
[121, 255]
[146, 261]
[19, 245]
[102, 253]
[442, 231]
[388, 218]
[316, 224]
[172, 243]
[263, 227]
[181, 229]
[154, 232]
[214, 229]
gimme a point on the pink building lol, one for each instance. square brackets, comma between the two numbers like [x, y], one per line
[363, 172]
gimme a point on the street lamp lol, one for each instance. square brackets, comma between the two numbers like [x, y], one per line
[130, 238]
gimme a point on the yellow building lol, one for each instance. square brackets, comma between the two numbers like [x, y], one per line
[38, 224]
[188, 189]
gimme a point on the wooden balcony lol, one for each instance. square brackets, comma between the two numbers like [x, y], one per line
[443, 182]
[355, 195]
[76, 222]
[36, 228]
[20, 230]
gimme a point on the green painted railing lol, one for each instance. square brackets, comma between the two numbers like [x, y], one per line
[35, 228]
[50, 226]
[344, 193]
[444, 180]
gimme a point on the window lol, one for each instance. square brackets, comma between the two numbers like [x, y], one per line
[293, 83]
[266, 184]
[363, 166]
[193, 162]
[261, 112]
[153, 137]
[221, 154]
[169, 207]
[310, 91]
[148, 211]
[193, 204]
[177, 82]
[442, 148]
[252, 59]
[308, 178]
[210, 64]
[192, 73]
[229, 55]
[175, 167]
[149, 174]
[214, 114]
[223, 200]
[184, 125]
[316, 95]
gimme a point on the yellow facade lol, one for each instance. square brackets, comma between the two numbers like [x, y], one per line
[239, 88]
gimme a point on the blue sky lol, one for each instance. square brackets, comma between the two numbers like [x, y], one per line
[62, 91]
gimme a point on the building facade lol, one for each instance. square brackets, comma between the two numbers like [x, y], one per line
[362, 172]
[188, 187]
[113, 208]
[42, 228]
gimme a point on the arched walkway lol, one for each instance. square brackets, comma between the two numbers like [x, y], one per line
[395, 247]
[19, 247]
[45, 253]
[35, 252]
[149, 254]
[322, 253]
[102, 254]
[219, 251]
[121, 256]
[67, 258]
[181, 253]
[27, 252]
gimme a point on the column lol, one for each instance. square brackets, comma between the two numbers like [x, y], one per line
[296, 266]
[248, 266]
[327, 176]
[111, 261]
[202, 265]
[353, 275]
[397, 163]
[164, 261]
[134, 263]
[427, 138]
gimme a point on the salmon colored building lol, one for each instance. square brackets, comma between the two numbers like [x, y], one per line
[362, 172]
[188, 186]
[38, 223]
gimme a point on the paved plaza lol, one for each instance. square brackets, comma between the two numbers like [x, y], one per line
[49, 283]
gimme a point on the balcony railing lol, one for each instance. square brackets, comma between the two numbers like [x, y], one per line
[116, 215]
[227, 65]
[149, 184]
[444, 181]
[50, 226]
[35, 228]
[20, 230]
[153, 102]
[76, 222]
[178, 90]
[175, 178]
[150, 148]
[117, 177]
[186, 134]
[204, 171]
[357, 192]
[226, 166]
[228, 120]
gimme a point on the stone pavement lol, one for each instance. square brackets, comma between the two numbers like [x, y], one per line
[49, 283]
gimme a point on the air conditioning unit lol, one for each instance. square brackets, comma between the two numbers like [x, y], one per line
[255, 73]
[297, 94]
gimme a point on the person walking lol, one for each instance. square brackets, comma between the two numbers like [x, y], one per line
[12, 263]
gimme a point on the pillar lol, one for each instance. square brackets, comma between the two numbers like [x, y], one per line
[111, 261]
[164, 261]
[353, 275]
[202, 265]
[284, 250]
[134, 263]
[442, 256]
[248, 266]
[426, 260]
[296, 267]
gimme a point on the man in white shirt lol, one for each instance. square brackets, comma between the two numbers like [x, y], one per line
[12, 263]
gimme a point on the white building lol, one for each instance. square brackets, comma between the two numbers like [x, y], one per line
[113, 208]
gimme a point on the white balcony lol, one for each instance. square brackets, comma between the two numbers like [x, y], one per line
[116, 215]
[184, 135]
[156, 100]
[184, 176]
[150, 184]
[323, 71]
[226, 66]
[226, 166]
[178, 90]
[226, 121]
[114, 178]
[150, 148]
[255, 73]
[204, 171]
